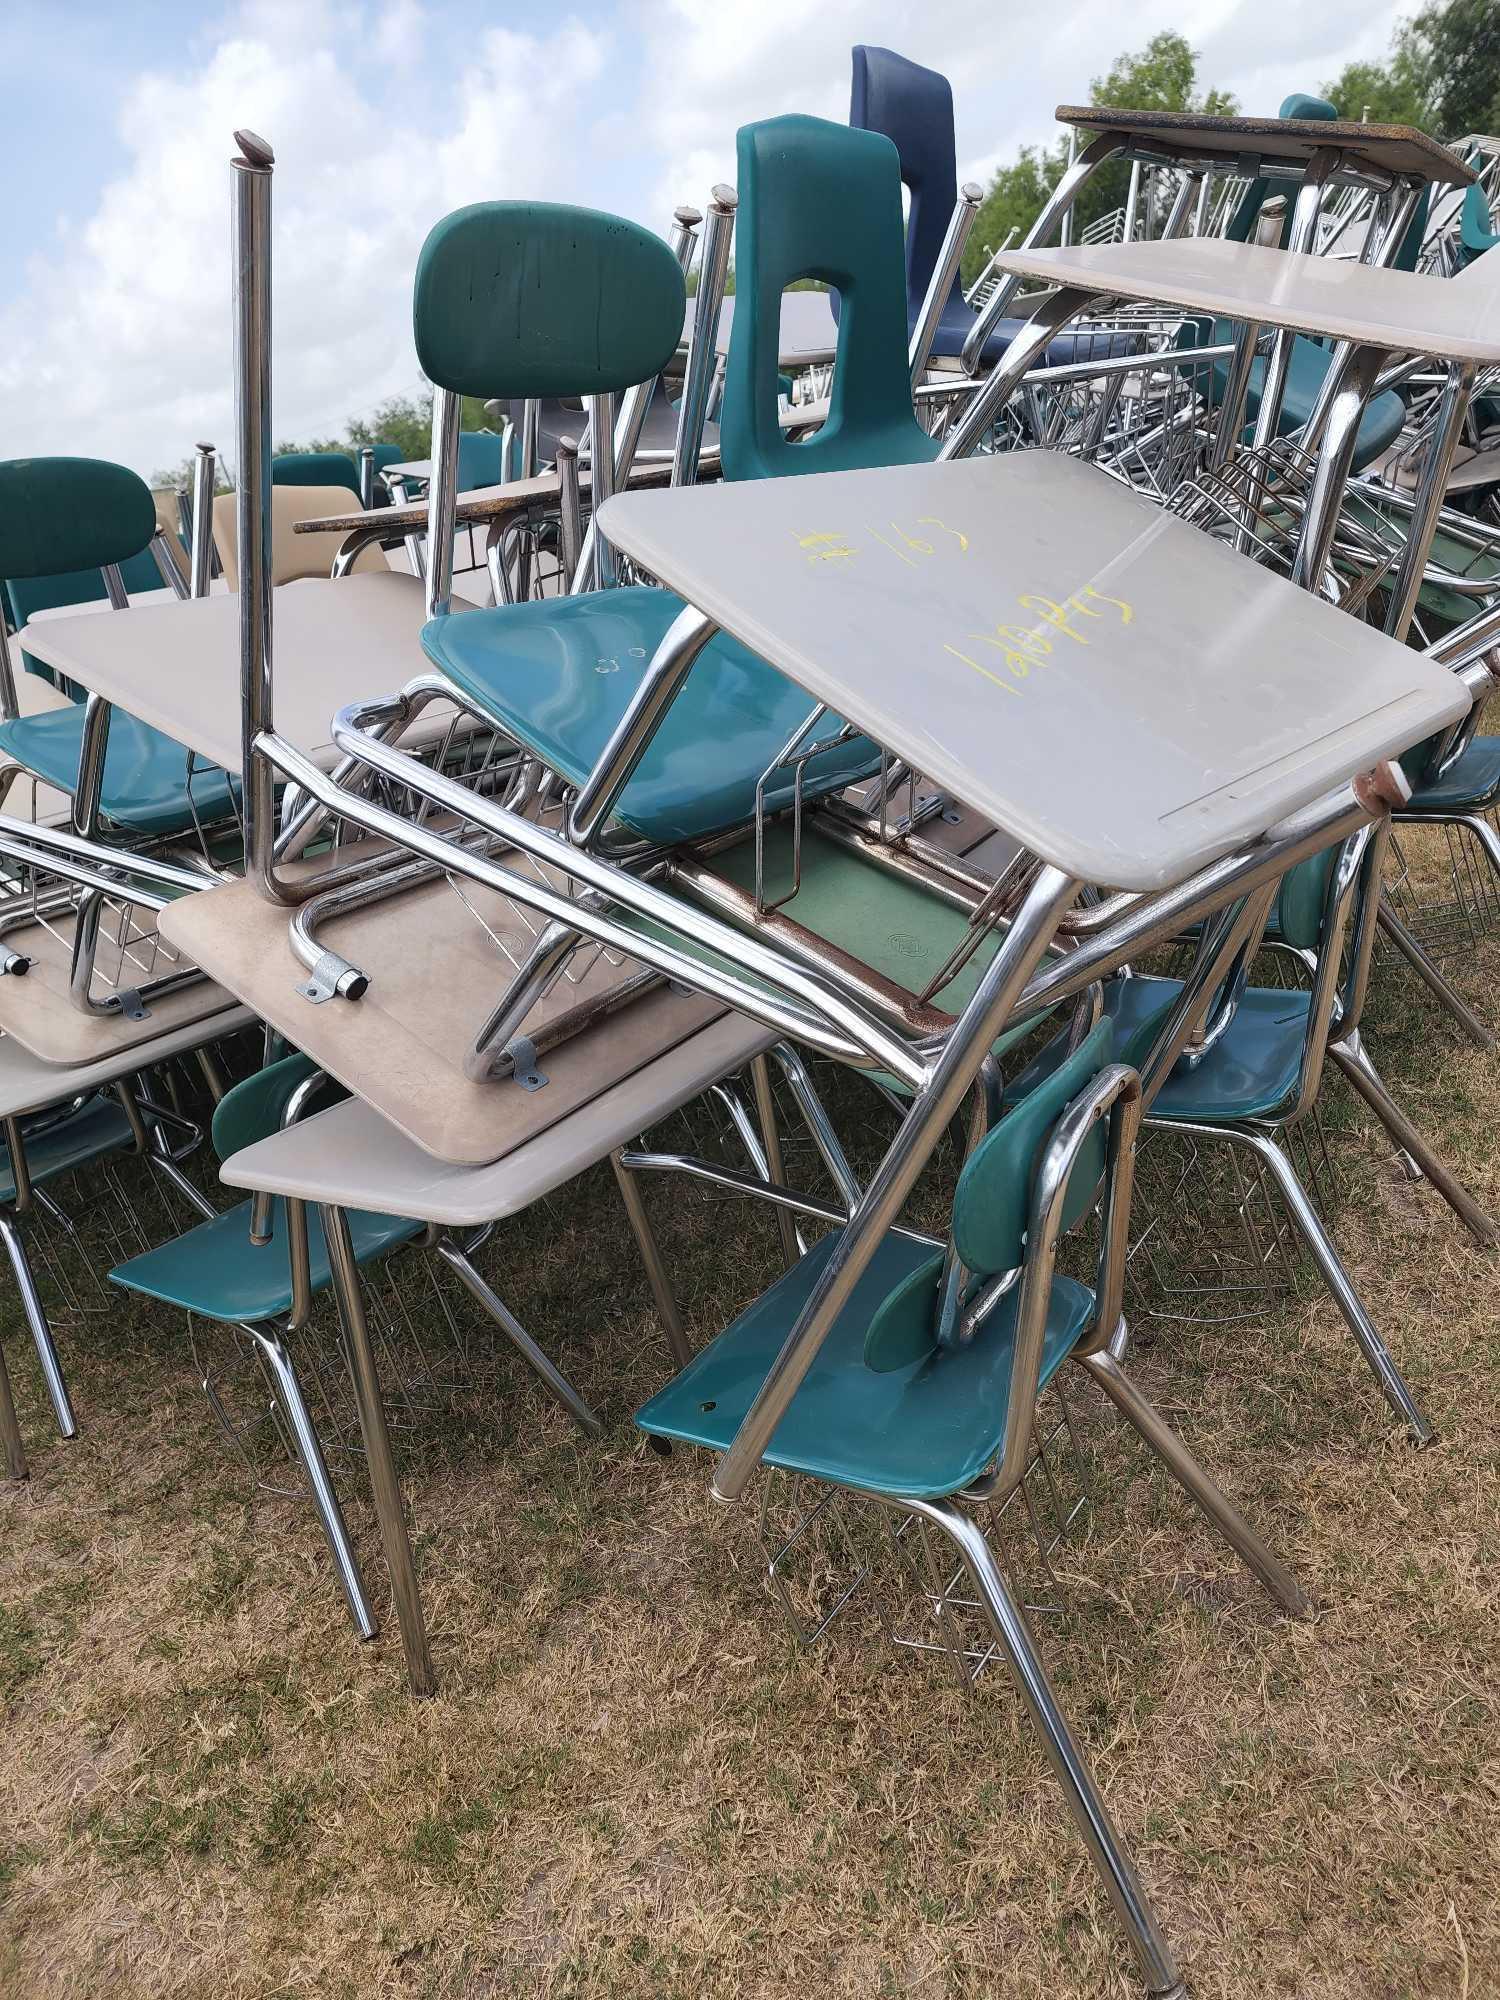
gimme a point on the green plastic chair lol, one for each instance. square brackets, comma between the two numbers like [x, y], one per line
[1309, 362]
[59, 516]
[818, 200]
[1260, 1076]
[50, 1143]
[936, 1432]
[219, 1271]
[518, 299]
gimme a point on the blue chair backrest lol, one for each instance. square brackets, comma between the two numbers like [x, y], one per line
[913, 107]
[315, 468]
[479, 459]
[818, 200]
[61, 521]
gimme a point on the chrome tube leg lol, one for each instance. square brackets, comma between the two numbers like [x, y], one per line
[765, 1111]
[1123, 1885]
[1196, 1483]
[315, 1470]
[551, 1376]
[1330, 1265]
[1355, 1065]
[10, 1429]
[1435, 982]
[656, 1270]
[384, 1485]
[41, 1332]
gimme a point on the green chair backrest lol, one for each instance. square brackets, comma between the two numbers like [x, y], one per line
[992, 1202]
[1475, 235]
[1255, 197]
[528, 298]
[993, 1198]
[254, 1108]
[481, 459]
[315, 468]
[63, 514]
[818, 200]
[1302, 900]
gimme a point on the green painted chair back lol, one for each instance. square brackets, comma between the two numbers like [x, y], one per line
[253, 1108]
[1253, 200]
[315, 468]
[64, 514]
[517, 298]
[818, 200]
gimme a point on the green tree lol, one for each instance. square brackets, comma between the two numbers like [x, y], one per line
[1163, 76]
[1443, 73]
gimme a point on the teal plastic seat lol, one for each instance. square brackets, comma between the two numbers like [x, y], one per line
[883, 1406]
[1471, 782]
[559, 673]
[818, 200]
[147, 786]
[1252, 1071]
[56, 1144]
[59, 518]
[917, 1432]
[215, 1269]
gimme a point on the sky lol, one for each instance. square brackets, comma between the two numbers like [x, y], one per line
[114, 231]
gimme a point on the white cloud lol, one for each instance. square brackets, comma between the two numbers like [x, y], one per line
[120, 342]
[385, 114]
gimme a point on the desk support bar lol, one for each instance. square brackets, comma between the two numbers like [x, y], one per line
[881, 1204]
[252, 171]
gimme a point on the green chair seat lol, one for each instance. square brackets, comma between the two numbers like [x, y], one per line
[145, 773]
[217, 1272]
[915, 1432]
[1309, 364]
[1252, 1071]
[55, 1145]
[1470, 784]
[558, 674]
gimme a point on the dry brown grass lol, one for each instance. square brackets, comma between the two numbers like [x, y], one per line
[633, 1783]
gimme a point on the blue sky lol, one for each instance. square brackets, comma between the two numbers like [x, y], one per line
[114, 319]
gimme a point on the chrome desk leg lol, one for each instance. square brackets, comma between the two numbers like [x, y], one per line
[656, 1270]
[765, 1111]
[1330, 1266]
[10, 1429]
[383, 1482]
[1153, 1954]
[551, 1376]
[1197, 1484]
[315, 1470]
[1436, 983]
[41, 1332]
[1354, 1063]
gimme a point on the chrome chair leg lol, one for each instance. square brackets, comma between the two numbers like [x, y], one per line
[1124, 1887]
[10, 1429]
[765, 1111]
[1355, 1065]
[1196, 1483]
[1445, 994]
[491, 1302]
[310, 1457]
[41, 1332]
[1330, 1266]
[656, 1271]
[383, 1482]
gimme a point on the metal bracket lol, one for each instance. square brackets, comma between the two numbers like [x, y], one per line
[321, 982]
[522, 1052]
[131, 1004]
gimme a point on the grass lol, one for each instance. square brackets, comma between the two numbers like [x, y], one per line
[633, 1783]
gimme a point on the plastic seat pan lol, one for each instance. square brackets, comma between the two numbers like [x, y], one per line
[55, 1145]
[1470, 784]
[217, 1272]
[559, 673]
[916, 1432]
[145, 773]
